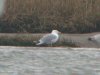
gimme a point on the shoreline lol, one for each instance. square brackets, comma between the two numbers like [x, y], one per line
[80, 39]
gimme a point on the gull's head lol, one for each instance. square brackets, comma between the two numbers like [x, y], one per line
[55, 32]
[91, 39]
[94, 38]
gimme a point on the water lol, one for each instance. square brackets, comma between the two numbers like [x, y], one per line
[49, 61]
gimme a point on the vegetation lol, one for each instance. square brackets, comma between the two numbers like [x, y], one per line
[39, 16]
[27, 40]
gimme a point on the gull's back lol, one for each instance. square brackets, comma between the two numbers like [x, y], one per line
[49, 38]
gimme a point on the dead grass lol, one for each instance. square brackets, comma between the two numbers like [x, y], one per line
[71, 16]
[27, 40]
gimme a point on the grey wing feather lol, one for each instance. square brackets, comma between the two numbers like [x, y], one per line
[48, 38]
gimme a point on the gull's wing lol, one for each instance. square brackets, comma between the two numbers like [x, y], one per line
[48, 38]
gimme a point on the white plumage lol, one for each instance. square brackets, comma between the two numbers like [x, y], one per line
[49, 38]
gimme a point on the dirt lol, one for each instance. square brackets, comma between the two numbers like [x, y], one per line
[80, 39]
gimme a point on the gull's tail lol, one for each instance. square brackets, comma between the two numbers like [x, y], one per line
[38, 42]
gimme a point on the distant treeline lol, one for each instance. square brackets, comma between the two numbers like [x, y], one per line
[38, 16]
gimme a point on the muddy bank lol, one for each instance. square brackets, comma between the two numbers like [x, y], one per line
[26, 39]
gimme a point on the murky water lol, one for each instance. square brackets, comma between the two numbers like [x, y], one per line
[49, 61]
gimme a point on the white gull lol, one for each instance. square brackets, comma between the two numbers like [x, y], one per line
[95, 38]
[49, 38]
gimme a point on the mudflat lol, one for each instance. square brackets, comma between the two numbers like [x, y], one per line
[80, 39]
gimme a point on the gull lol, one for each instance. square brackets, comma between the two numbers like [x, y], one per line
[49, 38]
[95, 38]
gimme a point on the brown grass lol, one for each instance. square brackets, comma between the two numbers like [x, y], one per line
[72, 16]
[28, 40]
